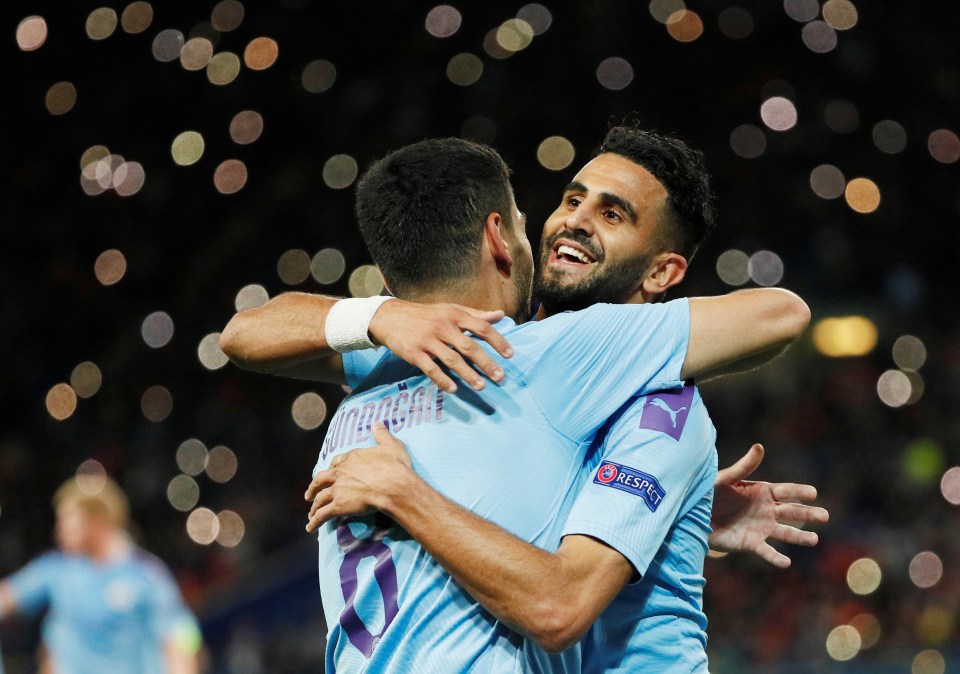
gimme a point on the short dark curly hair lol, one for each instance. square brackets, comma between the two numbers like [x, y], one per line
[681, 170]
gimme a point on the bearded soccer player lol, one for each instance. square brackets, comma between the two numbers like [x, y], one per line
[626, 228]
[112, 608]
[441, 223]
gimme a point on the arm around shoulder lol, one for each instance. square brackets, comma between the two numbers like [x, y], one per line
[741, 326]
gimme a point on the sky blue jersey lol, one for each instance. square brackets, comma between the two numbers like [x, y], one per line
[648, 495]
[511, 453]
[109, 618]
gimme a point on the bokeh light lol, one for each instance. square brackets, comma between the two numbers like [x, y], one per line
[101, 23]
[819, 37]
[869, 628]
[340, 171]
[950, 485]
[843, 643]
[662, 10]
[293, 267]
[936, 624]
[192, 456]
[685, 25]
[196, 53]
[167, 45]
[862, 195]
[157, 329]
[223, 68]
[231, 529]
[221, 464]
[765, 268]
[923, 462]
[230, 176]
[85, 379]
[615, 73]
[61, 97]
[514, 35]
[210, 354]
[246, 127]
[328, 266]
[889, 136]
[187, 148]
[203, 526]
[926, 569]
[537, 16]
[261, 53]
[944, 146]
[827, 181]
[128, 179]
[443, 21]
[802, 10]
[840, 14]
[492, 47]
[318, 76]
[136, 17]
[156, 403]
[91, 477]
[31, 33]
[894, 388]
[735, 22]
[110, 266]
[928, 662]
[61, 401]
[227, 15]
[308, 411]
[748, 141]
[464, 69]
[841, 116]
[864, 576]
[183, 492]
[778, 113]
[250, 297]
[733, 267]
[845, 336]
[365, 281]
[555, 153]
[909, 353]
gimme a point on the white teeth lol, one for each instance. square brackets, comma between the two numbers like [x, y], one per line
[573, 252]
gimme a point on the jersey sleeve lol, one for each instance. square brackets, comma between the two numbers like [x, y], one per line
[584, 365]
[648, 475]
[358, 364]
[31, 585]
[169, 618]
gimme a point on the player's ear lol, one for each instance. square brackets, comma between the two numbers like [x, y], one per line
[386, 283]
[666, 271]
[499, 250]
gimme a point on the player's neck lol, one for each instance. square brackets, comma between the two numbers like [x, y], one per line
[109, 545]
[637, 298]
[486, 294]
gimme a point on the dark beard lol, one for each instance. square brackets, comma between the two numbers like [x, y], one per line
[614, 285]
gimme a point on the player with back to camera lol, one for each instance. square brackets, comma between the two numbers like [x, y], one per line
[112, 608]
[445, 207]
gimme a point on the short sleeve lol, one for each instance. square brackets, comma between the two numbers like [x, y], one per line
[31, 586]
[585, 365]
[655, 464]
[358, 364]
[169, 618]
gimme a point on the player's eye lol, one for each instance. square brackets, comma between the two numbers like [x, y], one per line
[612, 215]
[573, 201]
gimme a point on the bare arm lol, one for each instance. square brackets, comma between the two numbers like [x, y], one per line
[286, 337]
[551, 598]
[178, 659]
[8, 603]
[746, 327]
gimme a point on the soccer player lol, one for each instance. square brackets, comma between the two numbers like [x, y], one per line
[440, 221]
[626, 228]
[112, 608]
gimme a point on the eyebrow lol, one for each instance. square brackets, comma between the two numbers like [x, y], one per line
[605, 197]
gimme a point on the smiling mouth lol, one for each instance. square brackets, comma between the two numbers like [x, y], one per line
[570, 255]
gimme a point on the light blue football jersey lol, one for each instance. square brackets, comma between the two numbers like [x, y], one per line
[511, 453]
[110, 618]
[648, 494]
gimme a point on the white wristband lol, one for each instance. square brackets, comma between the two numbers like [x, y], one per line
[348, 322]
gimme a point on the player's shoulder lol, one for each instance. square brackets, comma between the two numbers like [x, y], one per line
[664, 414]
[147, 564]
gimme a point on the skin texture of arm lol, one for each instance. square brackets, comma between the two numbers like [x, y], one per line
[8, 604]
[551, 598]
[747, 327]
[179, 660]
[286, 337]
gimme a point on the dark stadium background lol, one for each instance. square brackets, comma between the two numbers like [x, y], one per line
[837, 422]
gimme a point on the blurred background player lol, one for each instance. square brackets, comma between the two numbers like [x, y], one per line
[112, 607]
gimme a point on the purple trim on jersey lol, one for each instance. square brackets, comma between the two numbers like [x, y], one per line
[667, 411]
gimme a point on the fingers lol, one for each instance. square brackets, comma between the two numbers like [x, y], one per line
[383, 436]
[804, 514]
[323, 498]
[322, 480]
[455, 362]
[743, 468]
[486, 332]
[319, 517]
[783, 491]
[434, 372]
[768, 554]
[794, 536]
[483, 315]
[471, 350]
